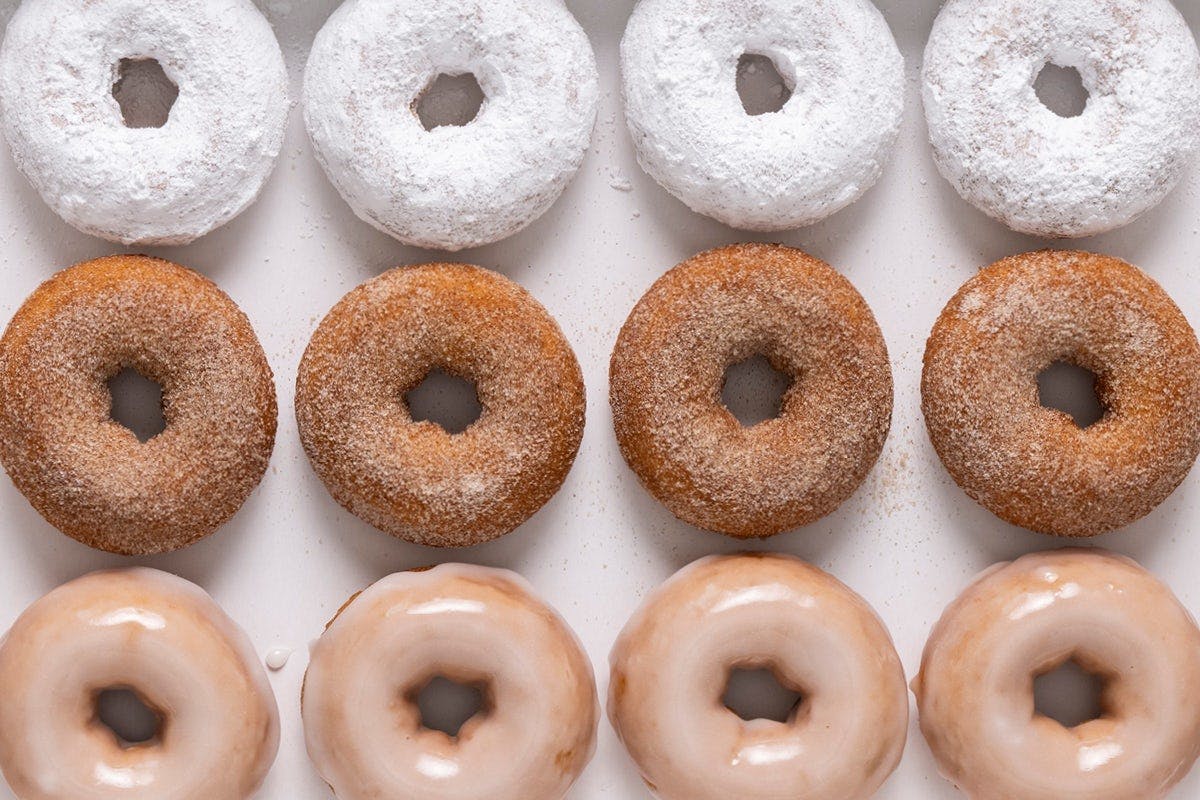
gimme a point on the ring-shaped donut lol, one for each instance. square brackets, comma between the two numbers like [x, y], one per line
[1027, 617]
[168, 185]
[820, 152]
[1032, 465]
[453, 186]
[668, 370]
[88, 475]
[1039, 173]
[468, 624]
[164, 639]
[721, 613]
[413, 479]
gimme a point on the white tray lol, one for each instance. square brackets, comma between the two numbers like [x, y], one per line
[909, 540]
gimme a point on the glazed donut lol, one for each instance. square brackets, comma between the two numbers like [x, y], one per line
[167, 641]
[88, 475]
[1016, 160]
[473, 625]
[1033, 466]
[1027, 617]
[413, 479]
[816, 155]
[59, 64]
[722, 613]
[668, 370]
[453, 186]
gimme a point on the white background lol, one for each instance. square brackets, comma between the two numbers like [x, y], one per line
[909, 540]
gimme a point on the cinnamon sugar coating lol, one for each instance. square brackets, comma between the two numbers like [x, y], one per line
[413, 479]
[1032, 465]
[88, 475]
[668, 370]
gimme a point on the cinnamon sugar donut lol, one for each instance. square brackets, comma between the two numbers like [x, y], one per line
[88, 475]
[1026, 618]
[413, 479]
[753, 611]
[668, 370]
[165, 640]
[1031, 465]
[474, 625]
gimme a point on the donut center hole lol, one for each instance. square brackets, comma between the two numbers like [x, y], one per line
[449, 99]
[130, 718]
[1071, 389]
[137, 404]
[445, 400]
[1069, 694]
[447, 705]
[1061, 90]
[144, 93]
[754, 390]
[757, 693]
[761, 87]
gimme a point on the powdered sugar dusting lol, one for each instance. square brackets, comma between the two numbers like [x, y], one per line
[165, 185]
[1042, 174]
[451, 187]
[819, 153]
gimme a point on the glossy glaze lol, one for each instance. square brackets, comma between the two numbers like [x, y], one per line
[472, 625]
[1024, 618]
[672, 661]
[167, 640]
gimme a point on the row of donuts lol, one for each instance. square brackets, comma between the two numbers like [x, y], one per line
[167, 641]
[162, 181]
[1030, 464]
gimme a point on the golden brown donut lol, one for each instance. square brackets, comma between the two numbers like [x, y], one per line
[89, 476]
[1031, 465]
[413, 479]
[668, 371]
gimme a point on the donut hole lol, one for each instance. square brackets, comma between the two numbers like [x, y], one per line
[446, 705]
[1061, 90]
[137, 404]
[761, 86]
[756, 693]
[452, 99]
[753, 390]
[1069, 694]
[144, 93]
[126, 714]
[1071, 389]
[446, 400]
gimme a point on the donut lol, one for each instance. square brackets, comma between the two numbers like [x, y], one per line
[453, 186]
[756, 611]
[162, 638]
[1025, 618]
[1037, 172]
[60, 64]
[820, 152]
[88, 475]
[413, 479]
[473, 625]
[1031, 465]
[668, 370]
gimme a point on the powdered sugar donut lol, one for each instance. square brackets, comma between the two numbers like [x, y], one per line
[816, 155]
[453, 186]
[1039, 173]
[59, 65]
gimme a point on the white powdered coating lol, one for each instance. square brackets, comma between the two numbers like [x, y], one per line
[454, 186]
[816, 155]
[1038, 173]
[159, 186]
